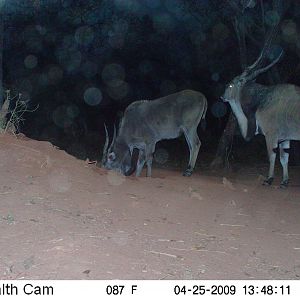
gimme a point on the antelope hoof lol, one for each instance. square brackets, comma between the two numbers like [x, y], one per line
[284, 184]
[187, 173]
[268, 181]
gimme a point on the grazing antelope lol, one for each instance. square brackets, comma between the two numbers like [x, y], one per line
[273, 111]
[146, 122]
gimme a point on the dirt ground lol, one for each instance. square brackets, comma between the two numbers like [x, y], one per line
[62, 218]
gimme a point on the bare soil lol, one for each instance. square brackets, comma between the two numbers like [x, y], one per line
[62, 218]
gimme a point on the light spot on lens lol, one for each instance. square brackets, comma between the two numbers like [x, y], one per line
[112, 73]
[70, 59]
[92, 96]
[116, 41]
[272, 17]
[72, 111]
[215, 76]
[42, 30]
[61, 118]
[31, 61]
[289, 31]
[84, 35]
[119, 91]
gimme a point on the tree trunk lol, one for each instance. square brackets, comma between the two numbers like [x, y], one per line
[239, 27]
[222, 155]
[221, 159]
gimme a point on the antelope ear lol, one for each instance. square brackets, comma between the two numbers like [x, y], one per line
[112, 156]
[131, 150]
[222, 98]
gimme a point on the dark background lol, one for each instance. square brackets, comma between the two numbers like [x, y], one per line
[83, 62]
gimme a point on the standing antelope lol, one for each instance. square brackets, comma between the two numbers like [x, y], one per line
[146, 122]
[272, 110]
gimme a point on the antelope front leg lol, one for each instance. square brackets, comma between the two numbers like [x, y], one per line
[272, 147]
[149, 158]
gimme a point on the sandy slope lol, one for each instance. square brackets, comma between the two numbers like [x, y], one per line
[63, 218]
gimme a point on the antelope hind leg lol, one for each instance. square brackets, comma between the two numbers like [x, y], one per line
[284, 160]
[140, 162]
[194, 144]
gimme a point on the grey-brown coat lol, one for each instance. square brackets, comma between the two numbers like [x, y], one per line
[146, 122]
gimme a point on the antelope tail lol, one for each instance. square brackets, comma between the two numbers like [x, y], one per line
[204, 111]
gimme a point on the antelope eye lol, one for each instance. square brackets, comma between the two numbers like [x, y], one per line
[230, 85]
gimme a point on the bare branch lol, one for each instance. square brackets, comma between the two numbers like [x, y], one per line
[193, 13]
[264, 51]
[264, 69]
[235, 6]
[262, 8]
[246, 4]
[16, 115]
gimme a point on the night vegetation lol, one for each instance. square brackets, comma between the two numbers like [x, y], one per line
[82, 62]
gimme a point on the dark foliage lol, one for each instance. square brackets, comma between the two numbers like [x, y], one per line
[83, 62]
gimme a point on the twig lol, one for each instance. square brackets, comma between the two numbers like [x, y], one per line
[16, 116]
[211, 251]
[163, 253]
[234, 6]
[232, 225]
[5, 193]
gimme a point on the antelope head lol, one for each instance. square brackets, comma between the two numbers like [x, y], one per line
[233, 92]
[117, 156]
